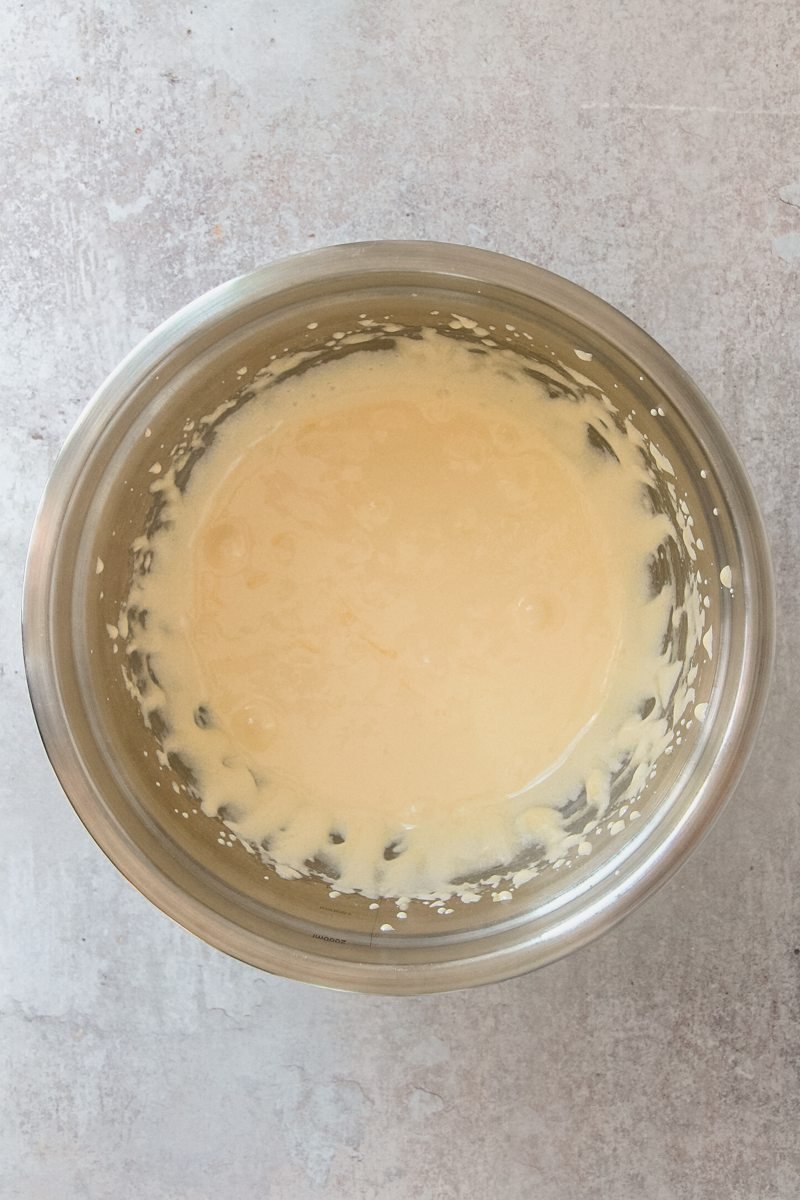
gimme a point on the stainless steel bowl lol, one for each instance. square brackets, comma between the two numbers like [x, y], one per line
[96, 503]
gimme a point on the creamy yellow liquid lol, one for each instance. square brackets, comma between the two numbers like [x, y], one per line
[401, 613]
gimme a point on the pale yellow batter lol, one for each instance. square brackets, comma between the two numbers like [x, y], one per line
[401, 613]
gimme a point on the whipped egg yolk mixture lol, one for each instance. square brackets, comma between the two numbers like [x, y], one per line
[401, 613]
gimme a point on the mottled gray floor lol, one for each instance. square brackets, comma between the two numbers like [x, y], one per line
[652, 153]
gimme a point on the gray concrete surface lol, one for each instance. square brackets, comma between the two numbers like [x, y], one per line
[652, 153]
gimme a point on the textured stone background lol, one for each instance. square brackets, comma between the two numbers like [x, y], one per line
[650, 152]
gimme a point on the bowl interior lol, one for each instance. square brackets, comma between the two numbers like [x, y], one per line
[139, 809]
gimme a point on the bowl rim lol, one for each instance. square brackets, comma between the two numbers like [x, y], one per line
[615, 898]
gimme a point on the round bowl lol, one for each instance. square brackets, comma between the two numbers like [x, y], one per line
[78, 570]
